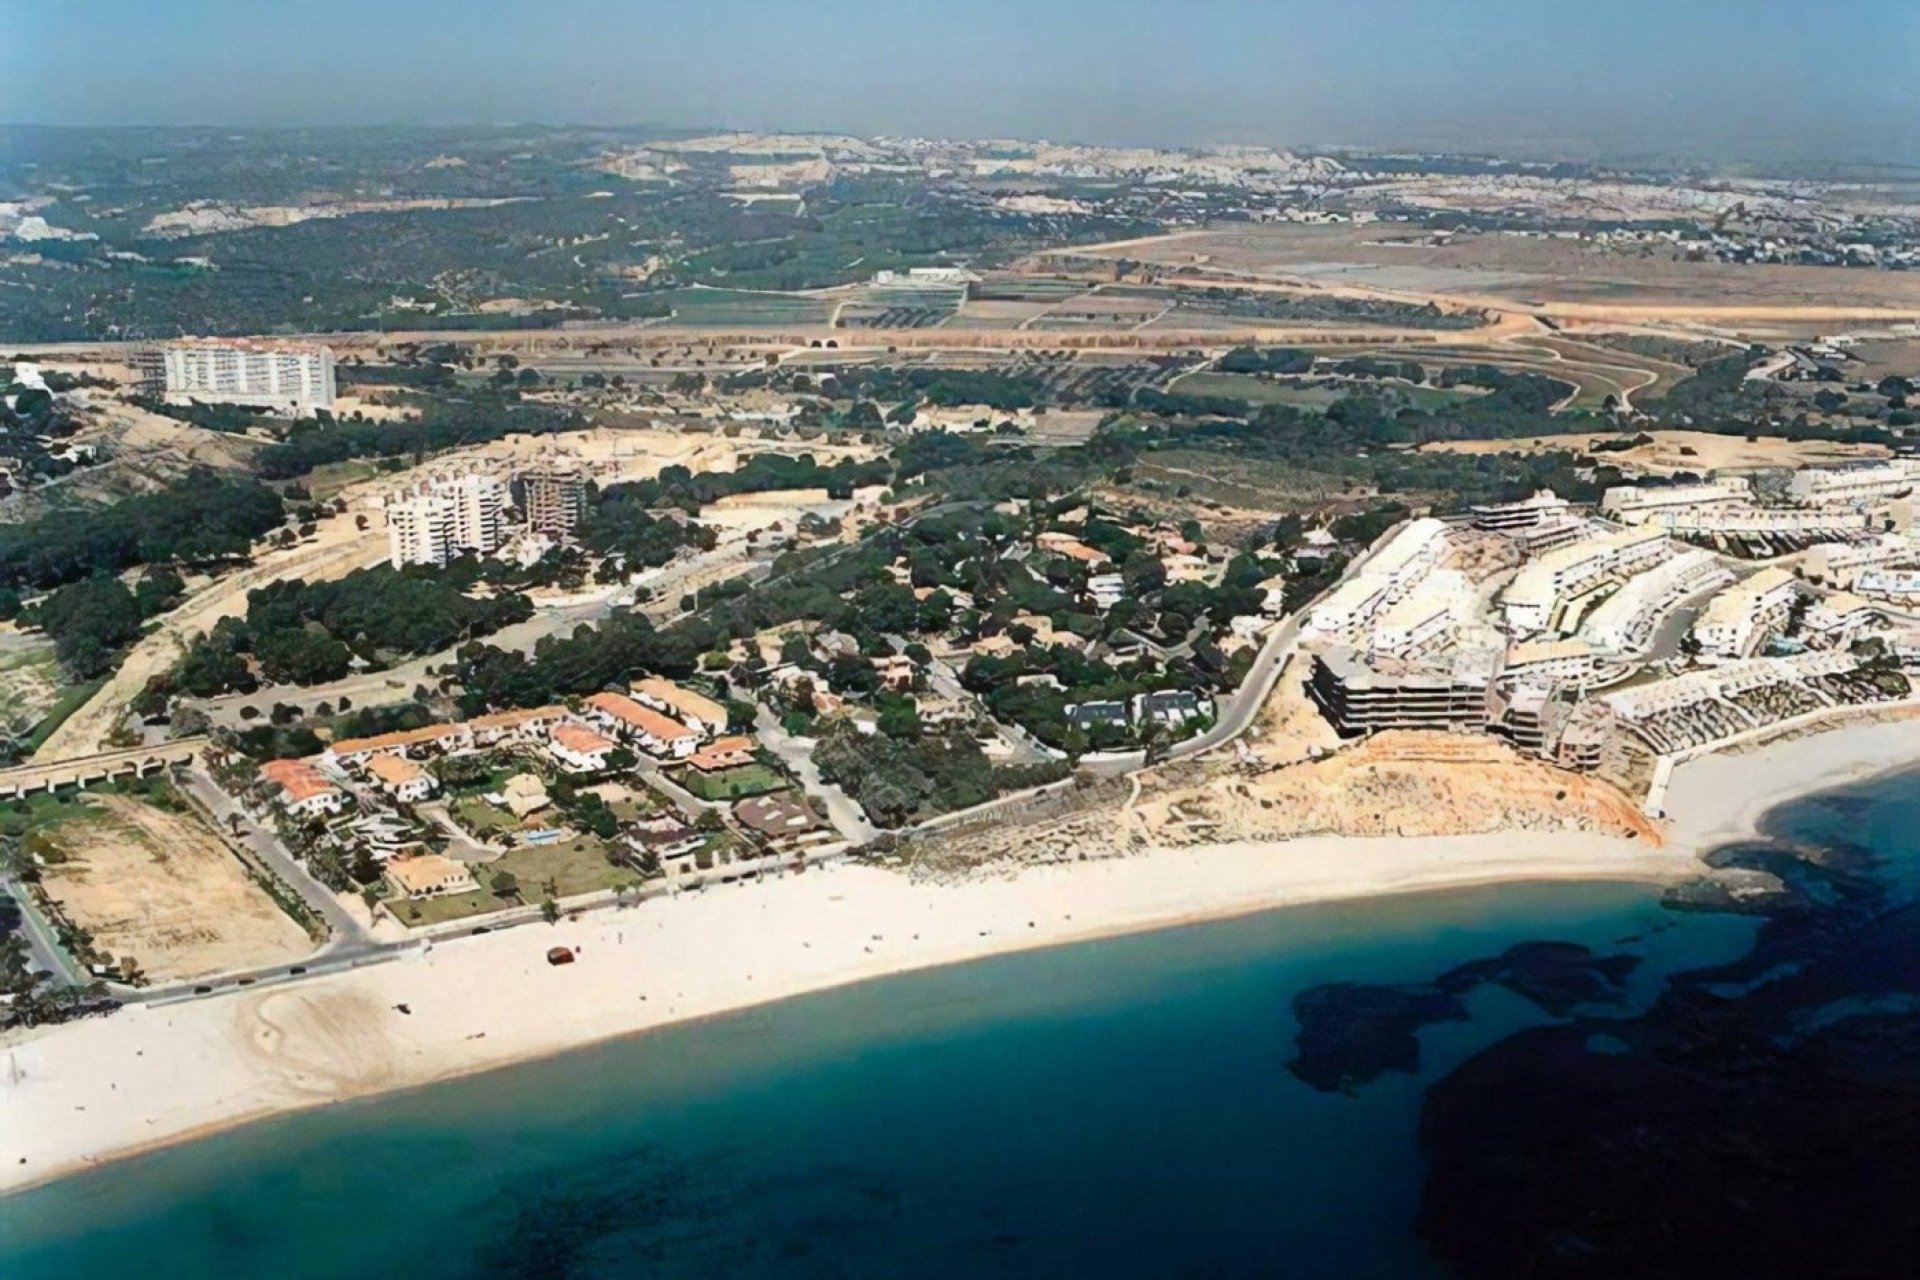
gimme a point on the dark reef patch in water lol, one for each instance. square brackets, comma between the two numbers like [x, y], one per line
[1761, 1119]
[1351, 1033]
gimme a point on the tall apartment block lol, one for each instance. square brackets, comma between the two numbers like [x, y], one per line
[286, 377]
[555, 501]
[433, 522]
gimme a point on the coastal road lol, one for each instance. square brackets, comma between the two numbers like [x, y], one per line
[1238, 710]
[43, 951]
[265, 844]
[847, 817]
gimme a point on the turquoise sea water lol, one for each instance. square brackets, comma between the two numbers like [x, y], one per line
[1120, 1108]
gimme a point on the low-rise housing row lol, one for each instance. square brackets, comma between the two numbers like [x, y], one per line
[481, 731]
[1897, 587]
[654, 731]
[1538, 594]
[1738, 620]
[1743, 519]
[1863, 481]
[1832, 621]
[1424, 616]
[1840, 564]
[1639, 504]
[1702, 708]
[1625, 621]
[1384, 579]
[1546, 663]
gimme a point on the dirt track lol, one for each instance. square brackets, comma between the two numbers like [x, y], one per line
[336, 549]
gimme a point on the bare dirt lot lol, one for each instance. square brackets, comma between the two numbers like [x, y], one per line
[30, 682]
[163, 888]
[144, 451]
[1394, 784]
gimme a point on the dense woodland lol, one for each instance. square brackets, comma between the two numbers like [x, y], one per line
[202, 517]
[298, 632]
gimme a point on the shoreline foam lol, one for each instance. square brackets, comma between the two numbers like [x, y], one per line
[79, 1095]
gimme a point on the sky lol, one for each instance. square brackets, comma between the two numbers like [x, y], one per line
[1716, 79]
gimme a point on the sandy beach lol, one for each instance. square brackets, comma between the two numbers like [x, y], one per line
[97, 1090]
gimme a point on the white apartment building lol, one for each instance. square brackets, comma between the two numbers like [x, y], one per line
[1636, 504]
[1549, 662]
[1677, 692]
[288, 377]
[1428, 612]
[1734, 519]
[1893, 586]
[1738, 619]
[439, 519]
[1386, 578]
[1624, 622]
[1840, 564]
[1853, 481]
[1835, 619]
[1107, 589]
[1544, 507]
[1537, 593]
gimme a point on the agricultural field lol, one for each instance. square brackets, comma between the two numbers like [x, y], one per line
[151, 883]
[995, 313]
[1497, 268]
[879, 307]
[716, 308]
[1102, 309]
[1104, 379]
[1023, 288]
[1875, 359]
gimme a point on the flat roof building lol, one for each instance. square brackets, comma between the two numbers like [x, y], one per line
[1425, 615]
[1361, 695]
[1383, 579]
[1738, 620]
[1635, 504]
[1625, 621]
[432, 522]
[1533, 600]
[1853, 481]
[555, 501]
[287, 377]
[1544, 507]
[1838, 564]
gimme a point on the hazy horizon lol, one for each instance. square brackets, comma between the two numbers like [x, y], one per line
[1718, 81]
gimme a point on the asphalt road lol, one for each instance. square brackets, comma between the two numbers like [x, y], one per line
[847, 817]
[265, 844]
[43, 952]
